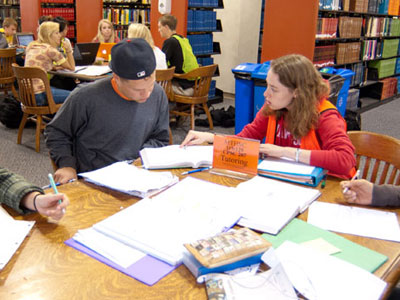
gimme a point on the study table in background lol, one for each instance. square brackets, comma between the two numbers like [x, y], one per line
[45, 268]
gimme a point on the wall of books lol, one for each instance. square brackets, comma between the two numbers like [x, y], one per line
[10, 9]
[122, 13]
[201, 23]
[363, 36]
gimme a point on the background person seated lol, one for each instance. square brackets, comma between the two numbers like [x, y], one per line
[43, 53]
[9, 30]
[105, 33]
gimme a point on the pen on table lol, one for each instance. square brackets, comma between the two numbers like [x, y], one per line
[57, 184]
[346, 189]
[53, 185]
[195, 171]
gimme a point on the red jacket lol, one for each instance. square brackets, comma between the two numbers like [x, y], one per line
[330, 146]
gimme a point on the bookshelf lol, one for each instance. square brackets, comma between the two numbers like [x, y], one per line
[62, 8]
[362, 36]
[10, 8]
[121, 14]
[201, 23]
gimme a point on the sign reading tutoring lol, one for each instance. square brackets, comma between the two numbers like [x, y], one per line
[236, 154]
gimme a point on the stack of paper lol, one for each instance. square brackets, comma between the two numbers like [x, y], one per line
[176, 157]
[186, 212]
[126, 178]
[12, 235]
[268, 205]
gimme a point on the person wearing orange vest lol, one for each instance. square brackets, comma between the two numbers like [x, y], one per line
[297, 121]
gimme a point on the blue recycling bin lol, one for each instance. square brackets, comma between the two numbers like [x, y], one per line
[259, 77]
[344, 91]
[244, 94]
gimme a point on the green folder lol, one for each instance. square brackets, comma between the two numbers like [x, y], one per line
[299, 231]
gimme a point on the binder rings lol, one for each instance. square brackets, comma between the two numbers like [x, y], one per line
[288, 170]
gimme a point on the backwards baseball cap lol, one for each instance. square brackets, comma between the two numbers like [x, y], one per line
[132, 59]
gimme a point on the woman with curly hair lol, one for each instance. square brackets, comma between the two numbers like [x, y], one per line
[297, 121]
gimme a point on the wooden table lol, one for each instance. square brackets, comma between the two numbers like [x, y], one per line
[81, 77]
[45, 268]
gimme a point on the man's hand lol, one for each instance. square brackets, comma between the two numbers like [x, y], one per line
[63, 175]
[357, 191]
[197, 138]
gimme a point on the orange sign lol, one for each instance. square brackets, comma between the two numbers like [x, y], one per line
[236, 154]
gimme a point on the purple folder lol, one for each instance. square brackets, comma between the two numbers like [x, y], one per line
[148, 270]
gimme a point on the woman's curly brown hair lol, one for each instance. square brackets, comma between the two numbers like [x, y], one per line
[297, 73]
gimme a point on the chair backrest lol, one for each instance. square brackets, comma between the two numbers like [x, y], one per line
[378, 156]
[164, 78]
[202, 77]
[7, 58]
[26, 94]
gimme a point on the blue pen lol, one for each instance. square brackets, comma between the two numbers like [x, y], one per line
[53, 185]
[198, 170]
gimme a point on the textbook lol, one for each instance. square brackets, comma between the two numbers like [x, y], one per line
[176, 157]
[288, 170]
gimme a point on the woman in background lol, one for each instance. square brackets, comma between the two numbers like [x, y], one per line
[43, 53]
[105, 33]
[137, 30]
[297, 121]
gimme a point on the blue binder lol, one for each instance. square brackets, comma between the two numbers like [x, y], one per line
[313, 179]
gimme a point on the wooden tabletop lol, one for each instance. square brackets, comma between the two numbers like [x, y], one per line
[45, 268]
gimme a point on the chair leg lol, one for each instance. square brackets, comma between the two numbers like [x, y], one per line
[210, 121]
[171, 141]
[21, 127]
[192, 116]
[38, 131]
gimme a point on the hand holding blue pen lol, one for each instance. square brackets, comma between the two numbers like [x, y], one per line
[195, 171]
[53, 185]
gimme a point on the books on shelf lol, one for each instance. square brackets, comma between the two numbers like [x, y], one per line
[174, 156]
[271, 204]
[288, 170]
[125, 177]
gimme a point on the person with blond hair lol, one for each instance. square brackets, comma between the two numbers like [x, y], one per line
[105, 33]
[138, 30]
[297, 121]
[43, 53]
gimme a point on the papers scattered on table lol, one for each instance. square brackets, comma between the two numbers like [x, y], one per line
[319, 276]
[126, 178]
[355, 220]
[176, 157]
[268, 205]
[12, 234]
[186, 212]
[93, 70]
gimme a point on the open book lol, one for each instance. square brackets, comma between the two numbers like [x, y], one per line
[127, 178]
[176, 157]
[271, 204]
[288, 170]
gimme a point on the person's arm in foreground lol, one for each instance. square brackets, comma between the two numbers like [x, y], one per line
[19, 194]
[364, 192]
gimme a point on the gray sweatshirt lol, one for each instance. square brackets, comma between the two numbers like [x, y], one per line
[386, 195]
[96, 127]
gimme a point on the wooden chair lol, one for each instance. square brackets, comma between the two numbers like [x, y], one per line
[164, 78]
[378, 156]
[202, 78]
[26, 96]
[7, 78]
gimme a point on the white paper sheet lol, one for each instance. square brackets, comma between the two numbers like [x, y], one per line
[12, 234]
[319, 276]
[129, 179]
[285, 166]
[355, 220]
[268, 205]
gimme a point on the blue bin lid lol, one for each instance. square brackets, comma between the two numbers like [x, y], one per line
[262, 71]
[247, 68]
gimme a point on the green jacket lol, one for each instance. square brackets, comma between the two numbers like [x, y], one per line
[189, 60]
[13, 188]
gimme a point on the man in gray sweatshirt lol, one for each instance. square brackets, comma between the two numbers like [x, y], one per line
[111, 119]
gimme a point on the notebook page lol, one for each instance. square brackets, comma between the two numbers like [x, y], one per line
[285, 166]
